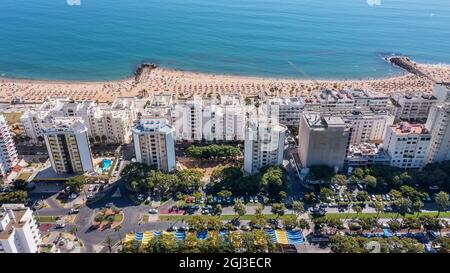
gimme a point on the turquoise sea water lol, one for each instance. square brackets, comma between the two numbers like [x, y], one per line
[106, 39]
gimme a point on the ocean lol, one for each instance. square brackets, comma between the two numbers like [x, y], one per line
[93, 40]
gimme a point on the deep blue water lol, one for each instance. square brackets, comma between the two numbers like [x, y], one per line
[106, 39]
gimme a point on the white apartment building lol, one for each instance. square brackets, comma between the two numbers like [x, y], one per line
[209, 119]
[373, 100]
[160, 105]
[288, 109]
[329, 100]
[68, 146]
[412, 107]
[438, 124]
[8, 153]
[154, 143]
[407, 145]
[323, 140]
[368, 126]
[34, 120]
[264, 144]
[442, 92]
[346, 100]
[112, 124]
[105, 123]
[187, 117]
[19, 232]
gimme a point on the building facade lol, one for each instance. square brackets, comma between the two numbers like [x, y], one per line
[323, 140]
[68, 146]
[438, 124]
[209, 119]
[19, 232]
[263, 146]
[414, 108]
[154, 143]
[407, 145]
[105, 123]
[287, 109]
[367, 126]
[8, 152]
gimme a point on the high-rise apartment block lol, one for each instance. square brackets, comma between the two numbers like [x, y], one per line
[8, 153]
[323, 140]
[438, 124]
[264, 143]
[68, 146]
[154, 143]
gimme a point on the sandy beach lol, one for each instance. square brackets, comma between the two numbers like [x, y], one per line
[186, 84]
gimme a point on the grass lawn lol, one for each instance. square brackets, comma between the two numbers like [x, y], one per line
[381, 215]
[222, 217]
[118, 217]
[45, 219]
[24, 176]
[13, 117]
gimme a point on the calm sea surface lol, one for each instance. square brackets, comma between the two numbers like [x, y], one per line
[106, 39]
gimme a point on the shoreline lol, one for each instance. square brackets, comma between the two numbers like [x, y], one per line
[183, 84]
[200, 73]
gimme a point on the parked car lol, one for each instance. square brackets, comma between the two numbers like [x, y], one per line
[109, 205]
[60, 225]
[73, 211]
[205, 211]
[141, 197]
[245, 227]
[153, 211]
[73, 196]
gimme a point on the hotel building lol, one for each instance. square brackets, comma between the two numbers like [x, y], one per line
[154, 143]
[8, 153]
[19, 232]
[68, 146]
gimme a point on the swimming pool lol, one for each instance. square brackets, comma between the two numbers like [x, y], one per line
[106, 166]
